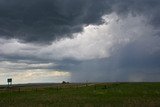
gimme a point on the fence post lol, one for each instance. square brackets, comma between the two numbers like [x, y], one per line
[105, 87]
[57, 88]
[95, 87]
[19, 90]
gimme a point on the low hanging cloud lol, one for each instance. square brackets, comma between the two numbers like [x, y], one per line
[34, 76]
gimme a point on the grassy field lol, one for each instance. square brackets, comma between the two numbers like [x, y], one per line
[79, 95]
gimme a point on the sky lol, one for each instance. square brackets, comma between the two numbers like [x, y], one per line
[45, 41]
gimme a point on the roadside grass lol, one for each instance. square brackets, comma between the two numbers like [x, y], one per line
[97, 95]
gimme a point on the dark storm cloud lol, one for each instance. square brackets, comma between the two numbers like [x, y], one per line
[149, 8]
[47, 20]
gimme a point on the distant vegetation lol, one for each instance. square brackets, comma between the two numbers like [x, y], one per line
[81, 95]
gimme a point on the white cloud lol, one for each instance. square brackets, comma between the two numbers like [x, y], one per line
[14, 47]
[99, 41]
[34, 75]
[22, 65]
[94, 42]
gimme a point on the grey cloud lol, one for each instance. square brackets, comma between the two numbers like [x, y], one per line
[47, 20]
[149, 8]
[44, 21]
[136, 61]
[118, 68]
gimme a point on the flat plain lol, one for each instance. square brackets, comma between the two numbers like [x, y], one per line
[81, 95]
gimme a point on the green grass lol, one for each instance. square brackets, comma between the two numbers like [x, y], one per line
[99, 95]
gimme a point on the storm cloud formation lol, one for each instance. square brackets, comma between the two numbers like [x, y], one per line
[80, 40]
[46, 20]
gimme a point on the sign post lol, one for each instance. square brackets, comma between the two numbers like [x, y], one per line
[9, 80]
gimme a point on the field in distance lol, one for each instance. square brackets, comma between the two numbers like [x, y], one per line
[81, 95]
